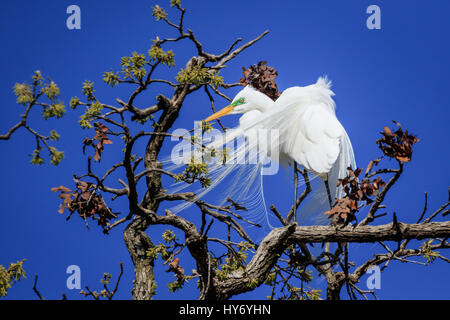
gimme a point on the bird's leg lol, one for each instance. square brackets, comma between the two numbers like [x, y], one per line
[329, 193]
[295, 190]
[327, 244]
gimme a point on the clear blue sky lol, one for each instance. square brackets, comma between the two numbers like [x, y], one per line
[397, 73]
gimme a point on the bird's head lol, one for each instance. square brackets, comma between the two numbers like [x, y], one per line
[246, 100]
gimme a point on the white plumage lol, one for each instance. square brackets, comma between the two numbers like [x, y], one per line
[312, 135]
[309, 135]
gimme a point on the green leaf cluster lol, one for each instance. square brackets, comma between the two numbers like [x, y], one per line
[159, 13]
[252, 284]
[195, 171]
[26, 93]
[134, 67]
[51, 90]
[176, 285]
[36, 157]
[304, 274]
[74, 102]
[56, 156]
[313, 294]
[32, 95]
[156, 53]
[94, 109]
[270, 279]
[23, 92]
[168, 236]
[235, 261]
[106, 278]
[54, 110]
[54, 136]
[37, 77]
[8, 277]
[158, 250]
[198, 75]
[428, 253]
[88, 90]
[111, 78]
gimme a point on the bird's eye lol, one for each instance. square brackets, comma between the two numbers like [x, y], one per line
[241, 100]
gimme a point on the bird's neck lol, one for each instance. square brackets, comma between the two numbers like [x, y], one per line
[262, 103]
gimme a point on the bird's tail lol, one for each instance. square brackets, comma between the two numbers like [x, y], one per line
[318, 202]
[339, 171]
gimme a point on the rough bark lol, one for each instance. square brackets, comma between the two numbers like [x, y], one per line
[386, 232]
[134, 235]
[334, 287]
[258, 268]
[278, 239]
[138, 242]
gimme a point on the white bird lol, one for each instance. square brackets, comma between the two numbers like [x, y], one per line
[310, 134]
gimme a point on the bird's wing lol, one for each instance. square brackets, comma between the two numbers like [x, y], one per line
[309, 129]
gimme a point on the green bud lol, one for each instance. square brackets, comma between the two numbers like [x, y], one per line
[56, 156]
[54, 136]
[85, 122]
[37, 77]
[159, 13]
[88, 90]
[168, 236]
[74, 102]
[36, 157]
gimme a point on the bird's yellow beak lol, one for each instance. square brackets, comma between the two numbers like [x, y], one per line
[220, 113]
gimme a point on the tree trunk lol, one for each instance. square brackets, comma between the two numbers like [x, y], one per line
[333, 292]
[334, 285]
[138, 242]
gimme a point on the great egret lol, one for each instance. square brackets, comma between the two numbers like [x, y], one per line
[310, 134]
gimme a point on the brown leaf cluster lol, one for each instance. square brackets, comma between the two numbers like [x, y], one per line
[174, 266]
[86, 201]
[397, 144]
[344, 210]
[101, 137]
[261, 77]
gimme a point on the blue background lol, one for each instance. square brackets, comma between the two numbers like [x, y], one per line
[397, 73]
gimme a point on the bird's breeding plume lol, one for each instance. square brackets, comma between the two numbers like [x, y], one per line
[231, 251]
